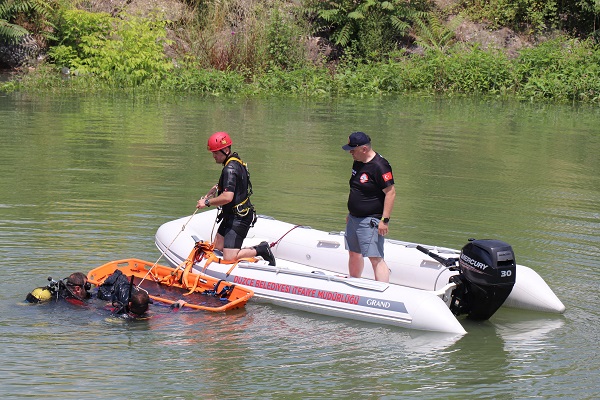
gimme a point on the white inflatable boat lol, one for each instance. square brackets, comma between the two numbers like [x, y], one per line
[429, 286]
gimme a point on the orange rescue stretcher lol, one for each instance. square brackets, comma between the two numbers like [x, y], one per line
[172, 285]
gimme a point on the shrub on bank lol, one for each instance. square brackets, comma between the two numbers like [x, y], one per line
[123, 52]
[563, 70]
[190, 79]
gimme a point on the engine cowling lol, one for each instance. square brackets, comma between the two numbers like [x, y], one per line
[487, 272]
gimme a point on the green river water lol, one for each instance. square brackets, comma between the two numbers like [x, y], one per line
[86, 180]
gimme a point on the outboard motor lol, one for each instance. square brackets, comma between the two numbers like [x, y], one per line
[487, 272]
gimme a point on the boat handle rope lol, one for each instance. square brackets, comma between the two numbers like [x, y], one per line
[273, 244]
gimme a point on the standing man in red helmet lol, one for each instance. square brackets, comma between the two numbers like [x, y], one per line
[232, 194]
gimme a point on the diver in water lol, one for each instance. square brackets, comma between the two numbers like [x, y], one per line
[74, 289]
[125, 298]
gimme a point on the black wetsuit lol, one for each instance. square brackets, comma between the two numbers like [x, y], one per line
[116, 288]
[238, 215]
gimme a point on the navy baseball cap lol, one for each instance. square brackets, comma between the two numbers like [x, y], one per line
[356, 139]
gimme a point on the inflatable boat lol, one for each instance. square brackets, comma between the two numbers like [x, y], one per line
[176, 285]
[429, 286]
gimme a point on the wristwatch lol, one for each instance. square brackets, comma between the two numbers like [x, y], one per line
[385, 220]
[207, 202]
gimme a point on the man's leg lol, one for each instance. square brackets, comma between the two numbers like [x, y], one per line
[219, 242]
[231, 254]
[262, 250]
[380, 269]
[356, 264]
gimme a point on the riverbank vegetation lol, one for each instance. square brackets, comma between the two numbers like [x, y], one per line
[535, 50]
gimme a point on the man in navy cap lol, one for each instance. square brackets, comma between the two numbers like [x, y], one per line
[370, 205]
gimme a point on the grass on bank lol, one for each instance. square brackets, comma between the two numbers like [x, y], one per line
[255, 47]
[560, 70]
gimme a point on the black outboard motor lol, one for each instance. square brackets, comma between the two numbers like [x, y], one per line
[487, 272]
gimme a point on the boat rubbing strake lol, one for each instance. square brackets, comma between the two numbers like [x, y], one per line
[308, 289]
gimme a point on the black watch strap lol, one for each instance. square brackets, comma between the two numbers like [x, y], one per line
[385, 220]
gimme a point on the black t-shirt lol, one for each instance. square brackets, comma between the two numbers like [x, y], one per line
[234, 178]
[366, 187]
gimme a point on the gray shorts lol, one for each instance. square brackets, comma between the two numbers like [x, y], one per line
[362, 236]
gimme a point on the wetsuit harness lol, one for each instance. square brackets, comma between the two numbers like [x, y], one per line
[239, 208]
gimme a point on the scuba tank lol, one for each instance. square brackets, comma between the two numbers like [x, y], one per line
[39, 295]
[55, 290]
[44, 293]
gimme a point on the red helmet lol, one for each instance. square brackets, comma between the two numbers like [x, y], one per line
[218, 141]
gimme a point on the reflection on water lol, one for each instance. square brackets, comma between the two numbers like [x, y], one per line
[526, 333]
[89, 180]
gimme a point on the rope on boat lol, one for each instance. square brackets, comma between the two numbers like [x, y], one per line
[163, 252]
[273, 244]
[212, 232]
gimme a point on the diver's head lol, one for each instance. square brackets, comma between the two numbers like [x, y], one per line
[139, 301]
[78, 285]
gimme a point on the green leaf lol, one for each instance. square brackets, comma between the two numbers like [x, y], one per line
[356, 15]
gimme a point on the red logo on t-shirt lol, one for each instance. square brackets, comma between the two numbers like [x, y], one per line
[387, 176]
[364, 178]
